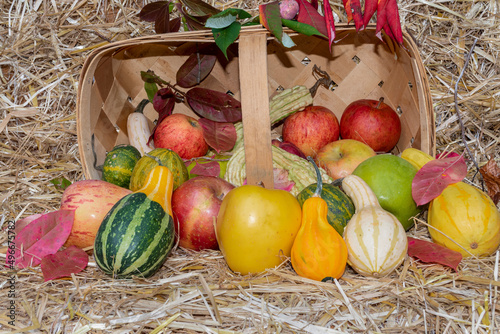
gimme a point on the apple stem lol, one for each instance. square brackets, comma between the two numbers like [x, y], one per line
[380, 102]
[319, 187]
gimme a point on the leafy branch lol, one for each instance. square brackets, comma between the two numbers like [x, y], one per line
[170, 16]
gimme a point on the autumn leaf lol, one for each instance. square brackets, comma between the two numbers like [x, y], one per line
[214, 105]
[42, 237]
[302, 28]
[219, 136]
[491, 176]
[270, 18]
[200, 7]
[388, 20]
[330, 23]
[430, 252]
[370, 9]
[281, 180]
[196, 68]
[63, 263]
[435, 176]
[22, 223]
[163, 103]
[206, 168]
[153, 10]
[309, 15]
[354, 13]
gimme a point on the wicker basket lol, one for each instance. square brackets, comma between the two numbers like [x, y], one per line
[360, 64]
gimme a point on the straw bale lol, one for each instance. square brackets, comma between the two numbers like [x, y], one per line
[43, 46]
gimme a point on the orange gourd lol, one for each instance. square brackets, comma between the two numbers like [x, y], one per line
[318, 251]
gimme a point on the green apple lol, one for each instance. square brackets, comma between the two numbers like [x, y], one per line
[390, 178]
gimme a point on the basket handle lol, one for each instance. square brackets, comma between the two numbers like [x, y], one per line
[255, 108]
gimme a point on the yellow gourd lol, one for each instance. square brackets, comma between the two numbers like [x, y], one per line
[462, 218]
[159, 187]
[318, 251]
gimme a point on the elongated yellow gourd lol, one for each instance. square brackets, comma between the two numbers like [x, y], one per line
[159, 187]
[463, 218]
[375, 239]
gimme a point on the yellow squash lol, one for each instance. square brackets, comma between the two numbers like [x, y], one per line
[256, 227]
[462, 218]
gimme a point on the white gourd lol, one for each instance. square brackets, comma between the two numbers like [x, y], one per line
[376, 241]
[138, 130]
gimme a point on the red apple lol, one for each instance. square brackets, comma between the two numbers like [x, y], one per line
[340, 158]
[311, 129]
[91, 200]
[372, 122]
[182, 134]
[195, 205]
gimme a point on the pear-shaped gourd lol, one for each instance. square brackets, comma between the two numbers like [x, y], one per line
[318, 251]
[462, 218]
[375, 239]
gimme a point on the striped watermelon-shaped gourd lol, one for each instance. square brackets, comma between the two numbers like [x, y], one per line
[340, 206]
[168, 158]
[119, 164]
[138, 233]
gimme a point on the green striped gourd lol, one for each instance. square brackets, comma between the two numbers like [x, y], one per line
[168, 158]
[281, 106]
[340, 206]
[119, 164]
[376, 241]
[138, 233]
[300, 171]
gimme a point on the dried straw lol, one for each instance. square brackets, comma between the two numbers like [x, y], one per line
[43, 46]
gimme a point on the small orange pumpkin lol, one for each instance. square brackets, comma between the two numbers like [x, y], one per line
[318, 251]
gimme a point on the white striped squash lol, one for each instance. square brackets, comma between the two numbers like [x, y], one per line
[376, 241]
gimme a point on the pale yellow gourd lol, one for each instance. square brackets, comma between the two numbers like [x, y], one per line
[463, 218]
[375, 239]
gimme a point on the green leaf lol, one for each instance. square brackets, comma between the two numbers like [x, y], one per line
[227, 36]
[226, 18]
[151, 89]
[271, 19]
[301, 28]
[60, 183]
[287, 41]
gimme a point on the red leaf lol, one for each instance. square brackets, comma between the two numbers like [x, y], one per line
[214, 105]
[42, 237]
[491, 176]
[22, 223]
[393, 20]
[370, 8]
[209, 168]
[435, 176]
[330, 22]
[219, 136]
[72, 260]
[354, 13]
[309, 15]
[381, 17]
[314, 3]
[163, 103]
[195, 69]
[281, 180]
[162, 22]
[430, 252]
[151, 11]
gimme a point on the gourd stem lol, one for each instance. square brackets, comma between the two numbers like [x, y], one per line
[155, 158]
[319, 186]
[141, 105]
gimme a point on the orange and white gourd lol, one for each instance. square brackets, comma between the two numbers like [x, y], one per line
[375, 239]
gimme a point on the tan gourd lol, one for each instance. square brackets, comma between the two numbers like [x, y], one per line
[376, 241]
